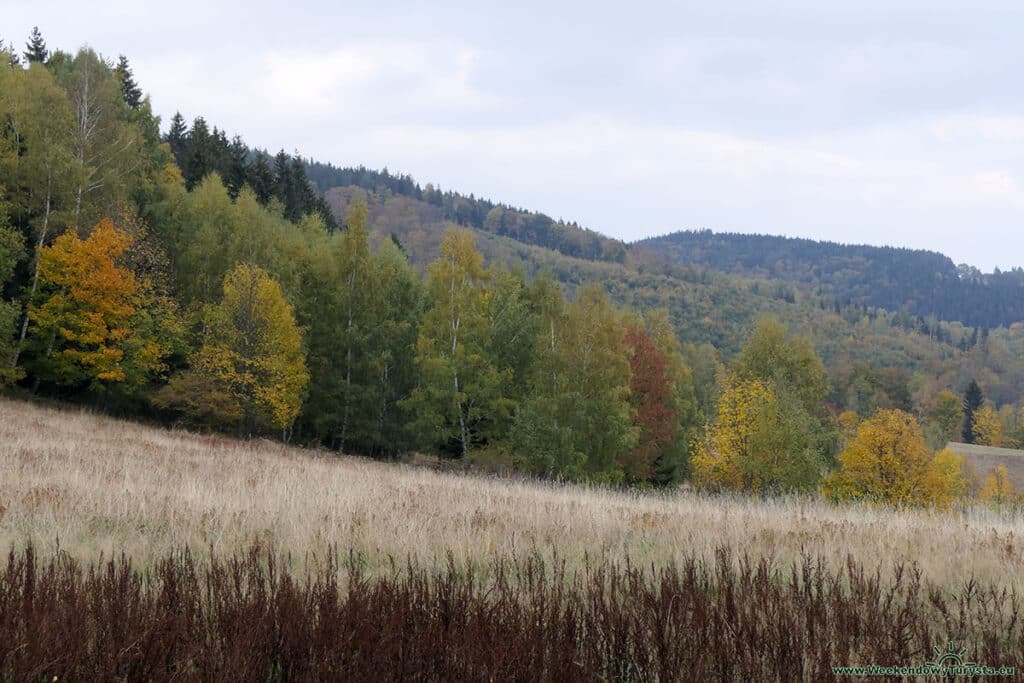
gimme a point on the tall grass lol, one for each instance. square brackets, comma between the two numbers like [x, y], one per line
[250, 617]
[99, 485]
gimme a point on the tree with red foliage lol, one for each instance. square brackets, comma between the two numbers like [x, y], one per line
[652, 395]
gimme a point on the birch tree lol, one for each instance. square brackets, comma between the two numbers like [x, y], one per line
[460, 387]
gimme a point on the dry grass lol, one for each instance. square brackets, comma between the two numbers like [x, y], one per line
[102, 486]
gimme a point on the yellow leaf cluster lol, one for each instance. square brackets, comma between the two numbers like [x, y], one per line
[997, 489]
[723, 455]
[988, 427]
[888, 462]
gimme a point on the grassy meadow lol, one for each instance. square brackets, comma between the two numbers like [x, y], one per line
[138, 553]
[99, 486]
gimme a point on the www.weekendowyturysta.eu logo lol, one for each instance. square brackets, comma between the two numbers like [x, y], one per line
[949, 661]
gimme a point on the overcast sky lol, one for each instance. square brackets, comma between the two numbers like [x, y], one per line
[867, 122]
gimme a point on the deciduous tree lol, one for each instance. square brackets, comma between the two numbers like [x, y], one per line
[888, 462]
[251, 368]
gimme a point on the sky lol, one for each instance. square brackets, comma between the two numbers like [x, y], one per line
[889, 123]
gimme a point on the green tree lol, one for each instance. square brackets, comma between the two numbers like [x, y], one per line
[459, 397]
[577, 421]
[774, 356]
[762, 441]
[974, 399]
[948, 414]
[130, 90]
[35, 48]
[40, 123]
[12, 250]
[107, 143]
[177, 138]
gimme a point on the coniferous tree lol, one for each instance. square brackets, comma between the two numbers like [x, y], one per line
[973, 400]
[198, 155]
[129, 88]
[236, 171]
[9, 51]
[261, 178]
[36, 47]
[177, 138]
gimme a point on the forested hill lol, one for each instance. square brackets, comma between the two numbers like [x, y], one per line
[503, 220]
[923, 283]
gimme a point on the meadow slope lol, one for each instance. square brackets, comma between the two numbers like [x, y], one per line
[96, 485]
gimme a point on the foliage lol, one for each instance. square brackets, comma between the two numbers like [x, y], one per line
[988, 426]
[459, 400]
[998, 490]
[762, 441]
[972, 401]
[924, 283]
[773, 356]
[888, 462]
[250, 369]
[577, 421]
[948, 414]
[80, 321]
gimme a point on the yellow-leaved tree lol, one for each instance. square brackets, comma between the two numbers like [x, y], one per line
[251, 369]
[998, 490]
[988, 426]
[81, 319]
[762, 441]
[888, 462]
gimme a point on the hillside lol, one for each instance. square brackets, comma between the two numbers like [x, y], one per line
[713, 309]
[177, 489]
[924, 283]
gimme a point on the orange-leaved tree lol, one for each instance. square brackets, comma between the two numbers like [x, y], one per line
[889, 462]
[651, 392]
[81, 317]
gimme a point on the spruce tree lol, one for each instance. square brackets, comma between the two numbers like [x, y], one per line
[236, 170]
[129, 88]
[177, 138]
[13, 59]
[283, 180]
[973, 400]
[261, 178]
[198, 156]
[36, 47]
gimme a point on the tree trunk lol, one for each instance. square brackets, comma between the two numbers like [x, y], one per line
[35, 276]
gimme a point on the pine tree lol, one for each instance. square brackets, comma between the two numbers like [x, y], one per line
[129, 88]
[973, 400]
[199, 155]
[261, 178]
[36, 48]
[8, 49]
[236, 171]
[177, 138]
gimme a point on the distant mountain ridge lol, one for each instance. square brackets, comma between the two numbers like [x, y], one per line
[920, 282]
